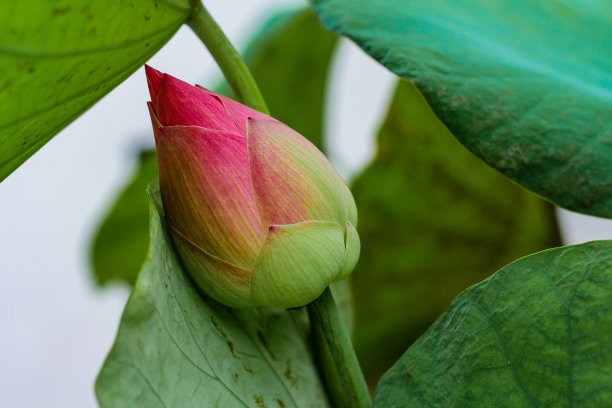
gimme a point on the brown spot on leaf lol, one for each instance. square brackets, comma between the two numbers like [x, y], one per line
[288, 374]
[231, 347]
[229, 343]
[219, 329]
[259, 401]
[263, 341]
[60, 11]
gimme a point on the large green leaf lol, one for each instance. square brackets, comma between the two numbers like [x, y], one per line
[121, 243]
[57, 58]
[289, 57]
[176, 348]
[526, 85]
[433, 220]
[536, 334]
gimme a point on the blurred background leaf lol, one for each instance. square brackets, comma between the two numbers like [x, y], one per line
[525, 85]
[538, 333]
[122, 240]
[433, 220]
[177, 348]
[57, 58]
[289, 59]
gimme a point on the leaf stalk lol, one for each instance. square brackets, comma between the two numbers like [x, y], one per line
[233, 67]
[324, 316]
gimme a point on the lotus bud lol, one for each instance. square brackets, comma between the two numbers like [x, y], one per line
[257, 214]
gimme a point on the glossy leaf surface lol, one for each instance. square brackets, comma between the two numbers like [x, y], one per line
[57, 58]
[525, 85]
[176, 348]
[433, 220]
[538, 333]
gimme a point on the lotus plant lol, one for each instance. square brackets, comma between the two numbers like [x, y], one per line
[257, 213]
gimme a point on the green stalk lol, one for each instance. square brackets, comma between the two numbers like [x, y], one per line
[325, 319]
[233, 67]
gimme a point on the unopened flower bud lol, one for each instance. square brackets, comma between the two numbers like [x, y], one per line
[256, 212]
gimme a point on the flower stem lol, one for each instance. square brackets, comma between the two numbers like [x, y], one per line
[324, 315]
[233, 67]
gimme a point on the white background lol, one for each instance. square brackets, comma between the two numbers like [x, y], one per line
[56, 326]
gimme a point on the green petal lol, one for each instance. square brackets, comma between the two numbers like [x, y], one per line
[352, 248]
[296, 263]
[221, 280]
[351, 208]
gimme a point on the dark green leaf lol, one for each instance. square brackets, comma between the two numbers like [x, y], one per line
[57, 58]
[122, 241]
[526, 85]
[536, 334]
[289, 60]
[433, 220]
[178, 349]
